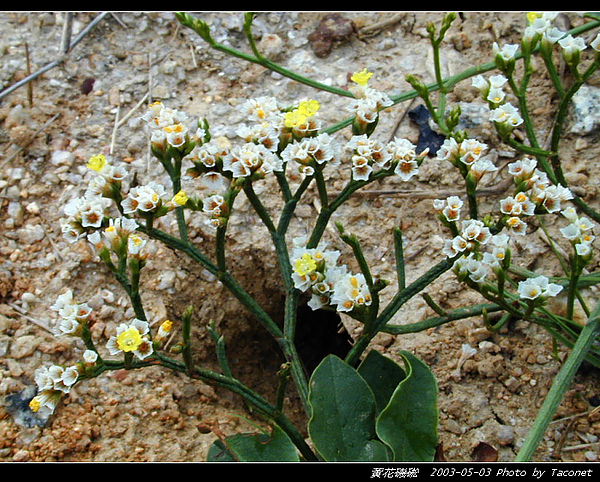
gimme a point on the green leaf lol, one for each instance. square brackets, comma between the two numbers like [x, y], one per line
[342, 423]
[218, 453]
[383, 375]
[261, 447]
[408, 424]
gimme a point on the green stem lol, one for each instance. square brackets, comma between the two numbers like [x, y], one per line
[226, 382]
[195, 25]
[576, 268]
[394, 305]
[225, 277]
[560, 386]
[287, 340]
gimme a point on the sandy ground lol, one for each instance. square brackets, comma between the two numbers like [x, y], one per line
[47, 134]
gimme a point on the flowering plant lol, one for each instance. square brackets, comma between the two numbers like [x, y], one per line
[366, 406]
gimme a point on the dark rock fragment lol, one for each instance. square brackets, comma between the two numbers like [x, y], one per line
[332, 30]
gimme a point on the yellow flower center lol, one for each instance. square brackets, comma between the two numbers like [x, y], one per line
[180, 198]
[96, 162]
[166, 326]
[362, 77]
[129, 340]
[300, 115]
[531, 16]
[34, 404]
[309, 107]
[305, 265]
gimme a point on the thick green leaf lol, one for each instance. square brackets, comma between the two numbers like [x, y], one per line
[409, 422]
[219, 453]
[383, 376]
[342, 423]
[261, 447]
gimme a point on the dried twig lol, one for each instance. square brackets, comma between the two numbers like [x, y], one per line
[56, 62]
[427, 194]
[374, 29]
[24, 314]
[126, 117]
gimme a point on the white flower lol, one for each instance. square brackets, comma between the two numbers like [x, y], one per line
[596, 43]
[479, 82]
[496, 95]
[481, 167]
[506, 114]
[135, 244]
[67, 327]
[406, 169]
[361, 169]
[251, 158]
[69, 377]
[533, 288]
[458, 244]
[507, 52]
[43, 379]
[131, 338]
[583, 249]
[523, 168]
[571, 45]
[146, 198]
[498, 81]
[553, 35]
[350, 291]
[90, 357]
[516, 225]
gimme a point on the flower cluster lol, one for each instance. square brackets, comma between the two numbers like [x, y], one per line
[368, 154]
[476, 265]
[468, 156]
[472, 235]
[540, 30]
[251, 160]
[72, 314]
[52, 383]
[86, 213]
[367, 103]
[579, 232]
[144, 199]
[538, 287]
[274, 126]
[505, 115]
[312, 153]
[207, 160]
[316, 270]
[169, 129]
[108, 179]
[216, 207]
[535, 193]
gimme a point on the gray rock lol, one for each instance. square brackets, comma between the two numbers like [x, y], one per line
[586, 110]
